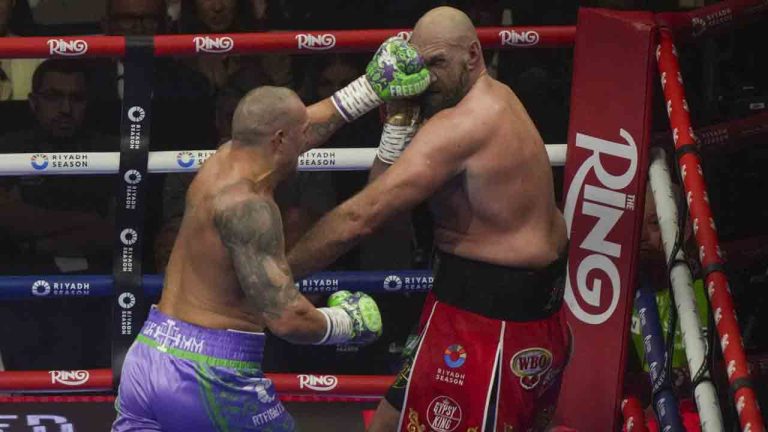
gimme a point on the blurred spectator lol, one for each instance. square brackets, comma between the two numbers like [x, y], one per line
[135, 17]
[15, 74]
[57, 224]
[63, 218]
[228, 16]
[172, 80]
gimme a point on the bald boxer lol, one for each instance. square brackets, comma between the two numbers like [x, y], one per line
[196, 364]
[494, 342]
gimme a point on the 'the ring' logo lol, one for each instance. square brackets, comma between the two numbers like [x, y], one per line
[132, 177]
[71, 48]
[393, 283]
[321, 383]
[39, 161]
[316, 42]
[41, 288]
[185, 159]
[126, 300]
[405, 35]
[515, 38]
[136, 114]
[603, 204]
[69, 378]
[455, 356]
[216, 45]
[129, 236]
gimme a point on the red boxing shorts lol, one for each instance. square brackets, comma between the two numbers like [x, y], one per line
[492, 348]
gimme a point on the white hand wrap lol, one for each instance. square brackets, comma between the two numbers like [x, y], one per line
[338, 326]
[356, 99]
[394, 139]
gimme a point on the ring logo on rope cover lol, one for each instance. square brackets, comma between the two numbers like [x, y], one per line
[596, 192]
[132, 177]
[514, 38]
[185, 159]
[129, 236]
[316, 42]
[136, 114]
[39, 161]
[213, 45]
[321, 383]
[393, 283]
[126, 300]
[70, 378]
[41, 288]
[444, 414]
[73, 48]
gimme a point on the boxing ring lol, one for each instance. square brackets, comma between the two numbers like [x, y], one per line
[128, 286]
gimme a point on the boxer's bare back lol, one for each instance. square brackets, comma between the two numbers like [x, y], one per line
[201, 286]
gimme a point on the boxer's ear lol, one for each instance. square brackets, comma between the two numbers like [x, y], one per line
[475, 55]
[277, 140]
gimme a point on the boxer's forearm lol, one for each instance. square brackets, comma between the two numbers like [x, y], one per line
[324, 120]
[330, 238]
[300, 322]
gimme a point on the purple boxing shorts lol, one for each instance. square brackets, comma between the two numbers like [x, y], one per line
[182, 377]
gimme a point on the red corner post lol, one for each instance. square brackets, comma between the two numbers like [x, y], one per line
[704, 230]
[605, 178]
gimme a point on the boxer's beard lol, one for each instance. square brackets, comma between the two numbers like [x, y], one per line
[434, 102]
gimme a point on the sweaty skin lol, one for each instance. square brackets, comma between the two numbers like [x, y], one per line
[479, 160]
[227, 269]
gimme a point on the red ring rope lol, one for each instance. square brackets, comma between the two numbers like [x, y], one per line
[302, 42]
[101, 380]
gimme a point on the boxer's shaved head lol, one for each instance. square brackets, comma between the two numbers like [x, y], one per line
[444, 24]
[264, 112]
[447, 40]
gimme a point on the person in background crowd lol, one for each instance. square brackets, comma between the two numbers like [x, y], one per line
[15, 74]
[233, 16]
[57, 224]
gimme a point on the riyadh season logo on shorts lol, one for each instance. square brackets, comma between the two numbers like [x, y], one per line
[185, 159]
[455, 356]
[39, 161]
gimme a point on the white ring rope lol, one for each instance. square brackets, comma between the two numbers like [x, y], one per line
[322, 159]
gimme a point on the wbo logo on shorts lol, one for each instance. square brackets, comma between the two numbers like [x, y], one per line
[530, 364]
[455, 356]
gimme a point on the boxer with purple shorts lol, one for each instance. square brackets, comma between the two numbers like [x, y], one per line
[196, 365]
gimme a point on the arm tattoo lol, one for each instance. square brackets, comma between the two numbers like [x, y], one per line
[319, 132]
[252, 232]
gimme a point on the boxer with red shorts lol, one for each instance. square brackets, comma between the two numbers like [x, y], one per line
[483, 166]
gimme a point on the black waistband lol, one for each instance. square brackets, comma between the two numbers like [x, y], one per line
[500, 292]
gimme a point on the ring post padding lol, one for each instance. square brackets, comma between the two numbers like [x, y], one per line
[128, 297]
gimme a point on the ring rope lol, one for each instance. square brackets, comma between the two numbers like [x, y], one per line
[323, 159]
[53, 286]
[93, 380]
[288, 42]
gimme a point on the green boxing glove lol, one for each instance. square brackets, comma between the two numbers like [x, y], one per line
[396, 71]
[352, 319]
